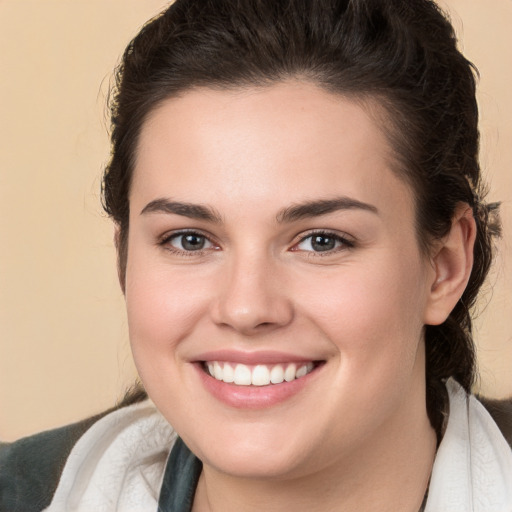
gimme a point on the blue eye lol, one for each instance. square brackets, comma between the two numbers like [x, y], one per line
[322, 242]
[189, 242]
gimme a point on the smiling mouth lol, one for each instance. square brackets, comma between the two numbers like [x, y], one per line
[259, 374]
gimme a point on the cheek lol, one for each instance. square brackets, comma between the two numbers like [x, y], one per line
[372, 313]
[164, 305]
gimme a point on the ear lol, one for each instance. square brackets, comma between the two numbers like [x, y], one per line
[452, 263]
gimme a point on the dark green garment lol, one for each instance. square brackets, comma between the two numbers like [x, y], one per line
[180, 480]
[30, 468]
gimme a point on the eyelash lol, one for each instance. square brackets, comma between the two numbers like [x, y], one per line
[343, 243]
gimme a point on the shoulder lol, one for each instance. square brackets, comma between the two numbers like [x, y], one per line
[30, 468]
[501, 412]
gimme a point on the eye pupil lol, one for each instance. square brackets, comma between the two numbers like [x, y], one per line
[322, 243]
[193, 242]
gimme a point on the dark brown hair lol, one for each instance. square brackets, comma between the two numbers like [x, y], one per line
[400, 54]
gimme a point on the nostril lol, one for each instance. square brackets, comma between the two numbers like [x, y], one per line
[264, 324]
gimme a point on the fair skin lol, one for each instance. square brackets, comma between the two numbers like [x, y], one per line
[267, 229]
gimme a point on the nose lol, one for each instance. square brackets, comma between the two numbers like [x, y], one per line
[252, 297]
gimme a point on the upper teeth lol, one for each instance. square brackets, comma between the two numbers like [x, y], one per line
[258, 375]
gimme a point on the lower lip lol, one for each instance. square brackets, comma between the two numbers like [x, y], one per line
[253, 397]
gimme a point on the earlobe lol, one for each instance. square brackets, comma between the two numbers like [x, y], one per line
[452, 264]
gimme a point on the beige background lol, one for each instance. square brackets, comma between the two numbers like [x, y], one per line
[63, 339]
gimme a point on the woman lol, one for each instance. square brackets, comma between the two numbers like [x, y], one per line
[300, 234]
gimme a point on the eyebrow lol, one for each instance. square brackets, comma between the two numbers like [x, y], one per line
[322, 207]
[191, 210]
[290, 214]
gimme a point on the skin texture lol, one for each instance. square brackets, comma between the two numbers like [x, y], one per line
[356, 435]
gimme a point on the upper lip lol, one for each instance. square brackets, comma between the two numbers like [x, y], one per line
[253, 358]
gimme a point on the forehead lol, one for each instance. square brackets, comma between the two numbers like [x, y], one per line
[286, 142]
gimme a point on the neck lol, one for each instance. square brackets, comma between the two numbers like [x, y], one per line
[389, 473]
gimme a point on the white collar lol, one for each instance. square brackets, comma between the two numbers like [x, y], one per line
[473, 467]
[118, 464]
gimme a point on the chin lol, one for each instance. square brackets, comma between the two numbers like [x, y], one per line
[252, 452]
[261, 465]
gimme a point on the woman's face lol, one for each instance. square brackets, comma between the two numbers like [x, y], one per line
[271, 244]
